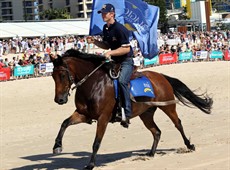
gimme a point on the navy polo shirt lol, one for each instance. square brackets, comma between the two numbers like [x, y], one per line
[117, 35]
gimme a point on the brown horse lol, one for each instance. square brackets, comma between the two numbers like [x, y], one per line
[95, 98]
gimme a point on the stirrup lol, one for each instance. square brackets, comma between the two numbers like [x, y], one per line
[125, 123]
[123, 117]
[124, 120]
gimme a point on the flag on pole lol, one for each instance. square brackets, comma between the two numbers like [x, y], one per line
[137, 16]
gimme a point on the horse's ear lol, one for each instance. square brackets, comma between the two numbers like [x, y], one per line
[56, 59]
[52, 57]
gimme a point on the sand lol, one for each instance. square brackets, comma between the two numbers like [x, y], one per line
[30, 120]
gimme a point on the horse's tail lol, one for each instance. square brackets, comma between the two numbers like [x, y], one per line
[182, 92]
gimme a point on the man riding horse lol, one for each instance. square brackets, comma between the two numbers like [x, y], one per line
[116, 38]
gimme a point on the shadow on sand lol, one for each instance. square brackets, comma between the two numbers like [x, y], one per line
[81, 159]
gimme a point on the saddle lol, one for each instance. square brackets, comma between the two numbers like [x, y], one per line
[140, 86]
[114, 70]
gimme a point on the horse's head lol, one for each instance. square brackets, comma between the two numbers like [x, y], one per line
[62, 78]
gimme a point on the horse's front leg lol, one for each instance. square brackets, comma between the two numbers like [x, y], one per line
[75, 118]
[101, 127]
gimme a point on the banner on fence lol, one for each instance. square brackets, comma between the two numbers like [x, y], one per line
[24, 70]
[185, 56]
[216, 54]
[227, 55]
[4, 73]
[168, 58]
[153, 61]
[46, 68]
[201, 55]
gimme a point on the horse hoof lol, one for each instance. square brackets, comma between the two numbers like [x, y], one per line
[57, 150]
[150, 154]
[192, 147]
[88, 167]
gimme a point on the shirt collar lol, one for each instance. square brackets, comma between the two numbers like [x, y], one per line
[112, 25]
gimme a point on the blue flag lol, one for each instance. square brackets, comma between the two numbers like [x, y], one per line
[137, 16]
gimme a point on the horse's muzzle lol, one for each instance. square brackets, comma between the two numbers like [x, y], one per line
[61, 100]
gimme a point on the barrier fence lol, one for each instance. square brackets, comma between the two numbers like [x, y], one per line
[4, 74]
[169, 58]
[24, 70]
[227, 55]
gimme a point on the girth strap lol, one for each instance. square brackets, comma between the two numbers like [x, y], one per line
[157, 103]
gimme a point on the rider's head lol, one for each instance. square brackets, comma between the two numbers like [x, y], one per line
[106, 8]
[108, 12]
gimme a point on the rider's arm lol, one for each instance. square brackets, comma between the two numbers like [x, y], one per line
[119, 51]
[100, 44]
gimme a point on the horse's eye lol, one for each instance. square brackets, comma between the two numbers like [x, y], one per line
[62, 76]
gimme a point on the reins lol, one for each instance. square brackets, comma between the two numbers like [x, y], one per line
[87, 76]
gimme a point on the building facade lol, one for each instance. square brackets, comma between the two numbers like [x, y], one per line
[221, 5]
[28, 10]
[18, 10]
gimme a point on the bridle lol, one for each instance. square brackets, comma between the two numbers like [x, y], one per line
[66, 68]
[70, 77]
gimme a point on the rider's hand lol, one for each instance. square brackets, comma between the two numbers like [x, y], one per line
[107, 55]
[90, 39]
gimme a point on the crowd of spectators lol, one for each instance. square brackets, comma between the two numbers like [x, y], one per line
[195, 41]
[35, 50]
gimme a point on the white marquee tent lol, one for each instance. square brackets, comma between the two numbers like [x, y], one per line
[48, 29]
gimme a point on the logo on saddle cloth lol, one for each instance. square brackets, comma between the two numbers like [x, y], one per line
[138, 87]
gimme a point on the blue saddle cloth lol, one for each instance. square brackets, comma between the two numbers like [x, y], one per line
[139, 87]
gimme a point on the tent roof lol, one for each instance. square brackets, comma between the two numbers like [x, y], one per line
[37, 29]
[183, 22]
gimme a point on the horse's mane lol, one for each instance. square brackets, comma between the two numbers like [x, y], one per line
[90, 57]
[93, 58]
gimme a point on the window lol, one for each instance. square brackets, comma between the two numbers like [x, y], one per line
[27, 3]
[89, 6]
[29, 10]
[6, 11]
[88, 14]
[68, 9]
[40, 8]
[30, 17]
[79, 15]
[7, 18]
[80, 7]
[6, 4]
[67, 2]
[40, 1]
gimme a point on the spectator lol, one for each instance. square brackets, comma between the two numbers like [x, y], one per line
[1, 49]
[6, 62]
[1, 63]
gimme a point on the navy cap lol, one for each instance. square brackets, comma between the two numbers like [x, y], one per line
[106, 8]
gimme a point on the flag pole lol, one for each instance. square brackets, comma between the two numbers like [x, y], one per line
[208, 13]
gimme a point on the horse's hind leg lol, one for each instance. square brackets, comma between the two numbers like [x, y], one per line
[147, 118]
[171, 112]
[75, 118]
